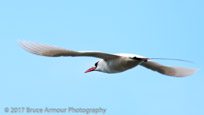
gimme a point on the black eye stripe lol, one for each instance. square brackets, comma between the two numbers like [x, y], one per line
[96, 64]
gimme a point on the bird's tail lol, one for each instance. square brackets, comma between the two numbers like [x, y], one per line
[171, 59]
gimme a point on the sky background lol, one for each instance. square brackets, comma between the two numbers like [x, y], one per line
[151, 28]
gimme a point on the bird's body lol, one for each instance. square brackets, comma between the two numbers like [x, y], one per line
[109, 63]
[117, 65]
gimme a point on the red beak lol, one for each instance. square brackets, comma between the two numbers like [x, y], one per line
[91, 69]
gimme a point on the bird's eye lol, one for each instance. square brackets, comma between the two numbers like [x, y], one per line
[96, 64]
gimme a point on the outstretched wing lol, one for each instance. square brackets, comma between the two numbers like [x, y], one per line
[53, 51]
[168, 70]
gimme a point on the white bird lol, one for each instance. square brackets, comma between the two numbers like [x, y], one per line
[109, 63]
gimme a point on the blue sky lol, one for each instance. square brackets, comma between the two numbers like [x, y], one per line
[159, 28]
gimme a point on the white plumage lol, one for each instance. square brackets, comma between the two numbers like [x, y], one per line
[109, 63]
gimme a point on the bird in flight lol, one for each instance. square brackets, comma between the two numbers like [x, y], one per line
[108, 63]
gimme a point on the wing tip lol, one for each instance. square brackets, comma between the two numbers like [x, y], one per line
[185, 72]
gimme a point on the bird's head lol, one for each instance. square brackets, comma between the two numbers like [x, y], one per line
[95, 68]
